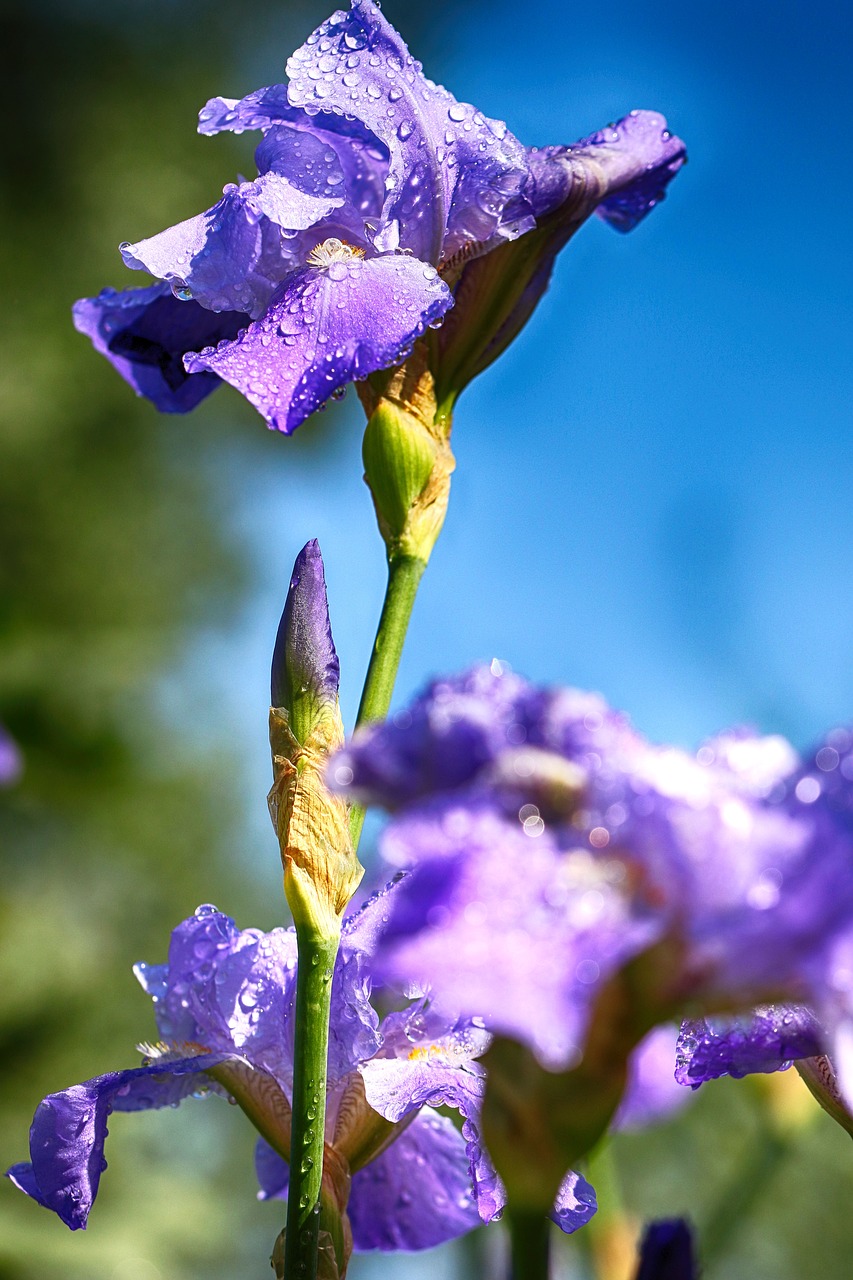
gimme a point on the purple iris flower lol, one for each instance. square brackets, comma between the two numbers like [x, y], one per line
[374, 188]
[552, 844]
[224, 1005]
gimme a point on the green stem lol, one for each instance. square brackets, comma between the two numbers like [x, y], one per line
[530, 1238]
[404, 575]
[316, 956]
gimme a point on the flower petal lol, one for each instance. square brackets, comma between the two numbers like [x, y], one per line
[234, 990]
[326, 327]
[622, 171]
[417, 1193]
[231, 257]
[456, 177]
[442, 741]
[441, 1073]
[145, 333]
[505, 927]
[652, 1093]
[69, 1130]
[264, 108]
[230, 989]
[769, 1040]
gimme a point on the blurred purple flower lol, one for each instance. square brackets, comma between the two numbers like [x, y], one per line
[552, 844]
[10, 760]
[666, 1252]
[224, 1007]
[325, 268]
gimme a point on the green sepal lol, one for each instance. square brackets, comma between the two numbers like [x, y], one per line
[398, 454]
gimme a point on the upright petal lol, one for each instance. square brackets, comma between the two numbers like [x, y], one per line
[453, 730]
[69, 1130]
[228, 988]
[362, 157]
[327, 326]
[455, 176]
[145, 334]
[231, 257]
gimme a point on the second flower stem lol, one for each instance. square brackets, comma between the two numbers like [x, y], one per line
[404, 575]
[310, 1052]
[530, 1238]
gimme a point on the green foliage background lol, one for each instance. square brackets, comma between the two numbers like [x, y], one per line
[119, 547]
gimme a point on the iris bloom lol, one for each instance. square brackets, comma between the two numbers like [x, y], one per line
[376, 194]
[224, 1010]
[552, 845]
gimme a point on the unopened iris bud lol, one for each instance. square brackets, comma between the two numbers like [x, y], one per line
[305, 669]
[321, 871]
[407, 466]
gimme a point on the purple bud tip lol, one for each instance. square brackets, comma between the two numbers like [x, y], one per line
[305, 667]
[667, 1252]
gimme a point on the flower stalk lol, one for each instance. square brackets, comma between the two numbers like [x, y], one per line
[530, 1244]
[317, 955]
[321, 873]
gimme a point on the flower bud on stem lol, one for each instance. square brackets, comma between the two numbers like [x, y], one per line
[407, 467]
[321, 873]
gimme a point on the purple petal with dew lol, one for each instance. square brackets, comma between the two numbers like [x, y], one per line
[767, 1040]
[622, 171]
[666, 1252]
[145, 333]
[417, 1069]
[417, 1193]
[356, 169]
[267, 107]
[454, 174]
[304, 657]
[574, 1205]
[507, 926]
[231, 257]
[234, 990]
[362, 157]
[227, 988]
[325, 328]
[652, 1093]
[69, 1130]
[11, 765]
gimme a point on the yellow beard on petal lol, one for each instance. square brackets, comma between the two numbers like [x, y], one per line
[331, 251]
